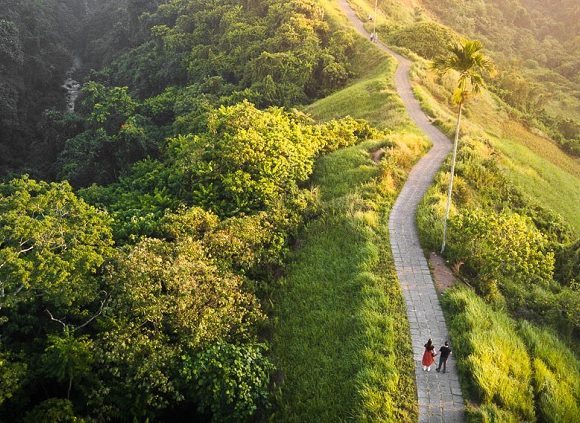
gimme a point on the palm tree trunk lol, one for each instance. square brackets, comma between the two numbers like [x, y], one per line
[455, 142]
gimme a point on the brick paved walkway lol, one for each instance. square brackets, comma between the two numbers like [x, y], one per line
[439, 394]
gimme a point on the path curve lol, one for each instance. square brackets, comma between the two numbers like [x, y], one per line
[439, 394]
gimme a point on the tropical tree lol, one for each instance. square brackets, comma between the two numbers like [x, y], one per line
[468, 60]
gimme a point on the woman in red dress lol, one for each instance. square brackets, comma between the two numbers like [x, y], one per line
[428, 355]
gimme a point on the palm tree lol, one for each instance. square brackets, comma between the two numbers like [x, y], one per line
[468, 60]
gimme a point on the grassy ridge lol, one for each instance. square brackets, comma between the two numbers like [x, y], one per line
[491, 357]
[372, 98]
[546, 182]
[318, 333]
[340, 342]
[556, 375]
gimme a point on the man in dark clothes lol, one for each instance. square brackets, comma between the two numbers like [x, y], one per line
[443, 356]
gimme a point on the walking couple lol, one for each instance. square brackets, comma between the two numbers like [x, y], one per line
[430, 354]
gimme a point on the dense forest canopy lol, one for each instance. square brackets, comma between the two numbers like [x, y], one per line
[271, 53]
[35, 40]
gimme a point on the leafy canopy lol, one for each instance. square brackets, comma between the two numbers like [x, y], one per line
[52, 243]
[468, 60]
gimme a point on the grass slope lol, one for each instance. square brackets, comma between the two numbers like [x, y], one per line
[548, 183]
[341, 339]
[372, 98]
[512, 371]
[534, 164]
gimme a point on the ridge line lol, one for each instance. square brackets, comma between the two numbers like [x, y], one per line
[439, 395]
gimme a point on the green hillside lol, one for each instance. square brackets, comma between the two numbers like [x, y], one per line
[204, 235]
[335, 310]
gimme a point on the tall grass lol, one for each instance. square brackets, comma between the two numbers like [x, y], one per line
[556, 375]
[532, 163]
[340, 340]
[492, 359]
[512, 371]
[549, 183]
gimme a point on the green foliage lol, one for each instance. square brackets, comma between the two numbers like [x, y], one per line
[427, 39]
[252, 243]
[137, 201]
[500, 247]
[53, 410]
[501, 362]
[137, 372]
[12, 374]
[269, 51]
[109, 108]
[52, 244]
[169, 299]
[556, 375]
[115, 137]
[505, 244]
[568, 263]
[67, 356]
[243, 160]
[334, 308]
[491, 357]
[468, 60]
[52, 252]
[177, 287]
[520, 92]
[372, 98]
[241, 165]
[35, 38]
[532, 43]
[229, 381]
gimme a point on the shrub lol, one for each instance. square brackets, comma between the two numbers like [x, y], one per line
[53, 410]
[568, 263]
[428, 39]
[248, 160]
[503, 247]
[230, 381]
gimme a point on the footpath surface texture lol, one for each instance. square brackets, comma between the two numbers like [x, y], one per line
[439, 394]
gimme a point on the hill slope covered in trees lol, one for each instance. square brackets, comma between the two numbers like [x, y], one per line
[166, 248]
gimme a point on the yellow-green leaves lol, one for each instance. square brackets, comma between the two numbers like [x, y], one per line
[502, 246]
[492, 357]
[250, 160]
[52, 243]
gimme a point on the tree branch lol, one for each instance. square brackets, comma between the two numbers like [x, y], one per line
[25, 250]
[103, 302]
[56, 320]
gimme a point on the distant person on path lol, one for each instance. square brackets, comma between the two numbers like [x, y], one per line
[445, 352]
[428, 355]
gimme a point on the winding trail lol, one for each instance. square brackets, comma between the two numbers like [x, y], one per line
[439, 394]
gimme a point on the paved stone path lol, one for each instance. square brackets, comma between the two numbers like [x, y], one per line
[439, 394]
